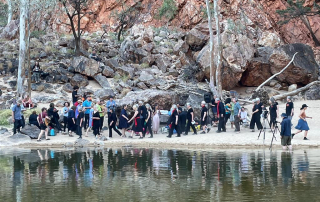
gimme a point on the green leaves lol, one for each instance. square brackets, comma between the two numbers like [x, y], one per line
[168, 10]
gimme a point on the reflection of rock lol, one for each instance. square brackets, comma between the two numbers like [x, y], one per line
[304, 68]
[31, 130]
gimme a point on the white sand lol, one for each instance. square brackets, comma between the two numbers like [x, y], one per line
[210, 140]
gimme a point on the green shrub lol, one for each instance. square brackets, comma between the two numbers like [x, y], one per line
[7, 113]
[168, 10]
[3, 14]
[37, 34]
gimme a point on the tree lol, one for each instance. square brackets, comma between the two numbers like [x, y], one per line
[9, 2]
[218, 49]
[296, 10]
[76, 10]
[127, 16]
[22, 46]
[212, 67]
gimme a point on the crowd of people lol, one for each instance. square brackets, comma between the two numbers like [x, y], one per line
[86, 114]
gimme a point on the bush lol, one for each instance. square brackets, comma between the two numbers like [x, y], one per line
[3, 14]
[168, 9]
[7, 113]
[37, 34]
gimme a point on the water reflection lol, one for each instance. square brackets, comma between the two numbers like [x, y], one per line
[133, 174]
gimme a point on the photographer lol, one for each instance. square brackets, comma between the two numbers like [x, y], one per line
[285, 132]
[274, 112]
[256, 112]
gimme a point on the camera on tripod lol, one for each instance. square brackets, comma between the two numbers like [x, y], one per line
[264, 113]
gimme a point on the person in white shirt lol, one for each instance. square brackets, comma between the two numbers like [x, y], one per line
[244, 117]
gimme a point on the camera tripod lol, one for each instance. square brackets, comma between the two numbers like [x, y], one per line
[276, 129]
[264, 127]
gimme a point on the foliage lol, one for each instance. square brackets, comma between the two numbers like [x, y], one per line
[3, 14]
[168, 10]
[37, 34]
[127, 16]
[7, 113]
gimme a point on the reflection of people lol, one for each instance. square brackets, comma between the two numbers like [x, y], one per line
[285, 132]
[286, 166]
[302, 124]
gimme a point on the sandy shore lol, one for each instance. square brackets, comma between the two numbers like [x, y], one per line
[246, 138]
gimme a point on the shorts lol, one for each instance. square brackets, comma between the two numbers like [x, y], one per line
[204, 123]
[232, 118]
[43, 127]
[286, 140]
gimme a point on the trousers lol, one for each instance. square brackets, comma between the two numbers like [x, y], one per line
[174, 127]
[86, 121]
[221, 124]
[113, 127]
[255, 121]
[17, 125]
[237, 122]
[189, 124]
[147, 127]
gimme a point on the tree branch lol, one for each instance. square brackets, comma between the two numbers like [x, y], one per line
[277, 73]
[295, 92]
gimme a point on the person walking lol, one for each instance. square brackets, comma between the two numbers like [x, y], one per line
[43, 124]
[220, 115]
[148, 121]
[72, 120]
[256, 113]
[87, 106]
[236, 114]
[302, 123]
[274, 113]
[289, 108]
[17, 116]
[204, 117]
[173, 122]
[137, 127]
[110, 103]
[143, 115]
[156, 119]
[123, 121]
[190, 120]
[80, 122]
[112, 121]
[65, 111]
[285, 132]
[227, 116]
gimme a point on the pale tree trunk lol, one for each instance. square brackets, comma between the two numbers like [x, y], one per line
[212, 67]
[22, 46]
[9, 10]
[28, 54]
[218, 49]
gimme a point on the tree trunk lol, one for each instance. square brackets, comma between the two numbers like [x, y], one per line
[28, 56]
[22, 46]
[218, 50]
[120, 31]
[212, 68]
[9, 11]
[306, 22]
[78, 39]
[295, 92]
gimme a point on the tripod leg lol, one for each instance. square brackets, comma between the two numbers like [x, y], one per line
[259, 134]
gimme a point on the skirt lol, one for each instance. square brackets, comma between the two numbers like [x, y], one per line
[123, 123]
[137, 126]
[156, 123]
[302, 125]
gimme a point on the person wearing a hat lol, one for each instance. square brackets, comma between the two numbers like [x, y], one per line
[87, 106]
[285, 132]
[256, 112]
[302, 123]
[289, 108]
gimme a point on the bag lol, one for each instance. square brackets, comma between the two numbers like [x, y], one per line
[52, 133]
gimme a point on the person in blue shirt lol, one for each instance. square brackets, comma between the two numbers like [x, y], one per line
[285, 132]
[17, 116]
[110, 104]
[87, 106]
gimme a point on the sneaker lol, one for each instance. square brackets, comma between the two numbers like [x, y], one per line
[178, 136]
[252, 130]
[79, 137]
[38, 140]
[218, 131]
[203, 132]
[140, 137]
[185, 134]
[224, 131]
[305, 138]
[194, 134]
[168, 136]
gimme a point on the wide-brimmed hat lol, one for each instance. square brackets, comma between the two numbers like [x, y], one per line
[284, 115]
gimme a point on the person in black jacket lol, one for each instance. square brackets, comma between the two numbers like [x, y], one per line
[112, 121]
[53, 114]
[204, 117]
[33, 119]
[143, 114]
[220, 115]
[148, 122]
[256, 115]
[190, 118]
[182, 119]
[174, 121]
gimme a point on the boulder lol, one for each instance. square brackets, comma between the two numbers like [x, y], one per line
[269, 39]
[292, 87]
[113, 63]
[180, 46]
[146, 77]
[102, 80]
[196, 39]
[126, 70]
[313, 93]
[142, 86]
[11, 31]
[3, 130]
[86, 66]
[68, 88]
[31, 130]
[81, 143]
[18, 139]
[304, 68]
[104, 94]
[258, 70]
[79, 80]
[37, 87]
[130, 50]
[163, 62]
[107, 71]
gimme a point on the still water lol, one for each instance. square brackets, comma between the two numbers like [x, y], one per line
[133, 174]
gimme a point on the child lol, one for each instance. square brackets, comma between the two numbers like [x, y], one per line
[80, 122]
